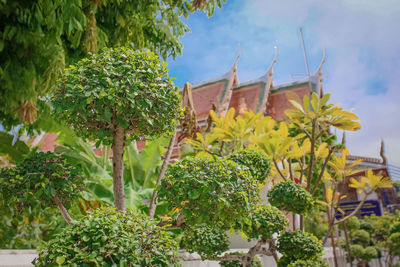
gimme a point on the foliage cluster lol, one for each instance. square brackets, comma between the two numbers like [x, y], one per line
[255, 262]
[118, 87]
[290, 196]
[108, 237]
[258, 164]
[206, 240]
[219, 192]
[298, 245]
[40, 178]
[265, 221]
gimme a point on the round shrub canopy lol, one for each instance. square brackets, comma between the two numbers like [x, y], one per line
[265, 221]
[291, 197]
[257, 162]
[118, 87]
[207, 241]
[111, 238]
[309, 263]
[255, 262]
[218, 192]
[299, 245]
[39, 178]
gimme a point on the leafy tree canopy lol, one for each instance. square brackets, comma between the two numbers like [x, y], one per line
[38, 38]
[118, 88]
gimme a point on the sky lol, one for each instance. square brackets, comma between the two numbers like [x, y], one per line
[362, 68]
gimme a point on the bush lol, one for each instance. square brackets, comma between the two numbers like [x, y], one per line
[265, 221]
[38, 179]
[257, 163]
[395, 228]
[108, 238]
[361, 237]
[219, 192]
[370, 253]
[353, 223]
[309, 263]
[357, 251]
[205, 240]
[299, 245]
[366, 226]
[255, 262]
[291, 197]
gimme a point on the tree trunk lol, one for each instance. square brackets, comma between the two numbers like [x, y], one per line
[63, 210]
[347, 244]
[153, 204]
[118, 168]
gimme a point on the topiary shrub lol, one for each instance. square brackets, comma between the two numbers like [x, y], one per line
[395, 228]
[265, 221]
[299, 245]
[309, 263]
[370, 253]
[257, 163]
[291, 197]
[207, 241]
[366, 226]
[44, 179]
[218, 192]
[111, 238]
[357, 251]
[255, 262]
[353, 223]
[361, 237]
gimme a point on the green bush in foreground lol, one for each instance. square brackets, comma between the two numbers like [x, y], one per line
[111, 238]
[255, 262]
[207, 241]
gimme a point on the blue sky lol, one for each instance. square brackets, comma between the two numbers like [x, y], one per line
[362, 42]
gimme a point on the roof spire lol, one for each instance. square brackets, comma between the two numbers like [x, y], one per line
[382, 152]
[233, 81]
[344, 138]
[269, 84]
[318, 73]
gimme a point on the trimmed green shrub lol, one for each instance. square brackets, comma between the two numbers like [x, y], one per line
[299, 245]
[111, 238]
[207, 241]
[291, 197]
[265, 221]
[309, 263]
[357, 251]
[366, 226]
[353, 223]
[370, 253]
[257, 162]
[40, 178]
[395, 228]
[118, 87]
[217, 192]
[255, 262]
[361, 237]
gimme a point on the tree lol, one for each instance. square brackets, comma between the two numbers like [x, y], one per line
[209, 195]
[38, 38]
[116, 96]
